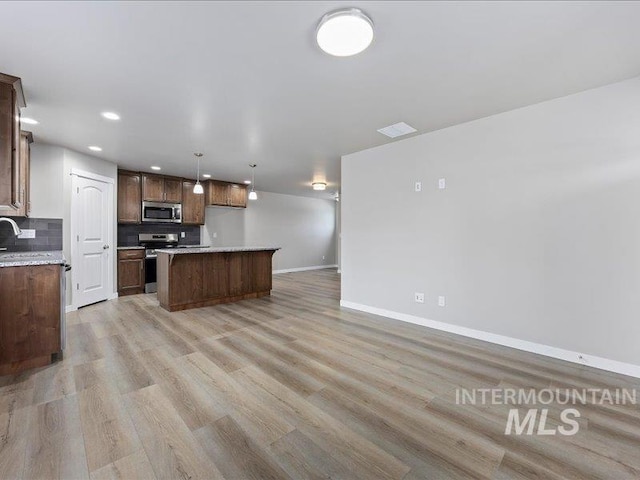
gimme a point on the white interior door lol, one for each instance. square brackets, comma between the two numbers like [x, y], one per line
[92, 261]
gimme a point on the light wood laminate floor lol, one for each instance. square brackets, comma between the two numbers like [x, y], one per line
[291, 387]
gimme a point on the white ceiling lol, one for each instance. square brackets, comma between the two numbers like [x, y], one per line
[244, 82]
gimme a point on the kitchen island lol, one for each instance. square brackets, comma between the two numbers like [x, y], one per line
[199, 277]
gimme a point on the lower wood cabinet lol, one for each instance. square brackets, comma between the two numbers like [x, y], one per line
[30, 316]
[130, 272]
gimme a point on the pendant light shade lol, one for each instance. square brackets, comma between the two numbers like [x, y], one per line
[197, 188]
[252, 194]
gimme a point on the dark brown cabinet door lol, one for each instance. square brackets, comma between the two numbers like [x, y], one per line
[129, 197]
[237, 195]
[26, 139]
[9, 150]
[30, 313]
[130, 272]
[172, 190]
[193, 206]
[152, 188]
[217, 193]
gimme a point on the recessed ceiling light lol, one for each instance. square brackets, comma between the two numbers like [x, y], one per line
[153, 167]
[397, 130]
[206, 175]
[319, 185]
[111, 115]
[95, 148]
[29, 121]
[344, 32]
[248, 182]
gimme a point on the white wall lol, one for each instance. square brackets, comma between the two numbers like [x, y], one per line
[51, 191]
[304, 228]
[47, 167]
[536, 237]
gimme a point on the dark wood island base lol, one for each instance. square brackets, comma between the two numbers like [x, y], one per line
[193, 278]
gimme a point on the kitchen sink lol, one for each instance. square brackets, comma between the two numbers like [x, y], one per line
[18, 256]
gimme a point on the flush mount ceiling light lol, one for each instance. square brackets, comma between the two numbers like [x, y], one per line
[206, 175]
[252, 194]
[29, 121]
[95, 148]
[319, 185]
[111, 115]
[247, 182]
[344, 32]
[153, 167]
[197, 188]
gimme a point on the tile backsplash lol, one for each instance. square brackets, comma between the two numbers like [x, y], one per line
[48, 235]
[128, 234]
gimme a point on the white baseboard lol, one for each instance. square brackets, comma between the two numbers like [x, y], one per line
[304, 269]
[546, 350]
[113, 296]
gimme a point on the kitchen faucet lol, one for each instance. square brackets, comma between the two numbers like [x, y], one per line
[14, 225]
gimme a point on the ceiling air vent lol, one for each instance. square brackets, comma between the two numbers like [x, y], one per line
[397, 130]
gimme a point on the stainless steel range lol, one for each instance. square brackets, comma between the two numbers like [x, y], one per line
[151, 242]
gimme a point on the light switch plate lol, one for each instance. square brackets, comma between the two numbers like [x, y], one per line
[27, 233]
[442, 183]
[418, 186]
[418, 297]
[442, 302]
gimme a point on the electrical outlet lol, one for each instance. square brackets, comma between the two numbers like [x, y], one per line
[418, 186]
[183, 234]
[442, 301]
[215, 234]
[27, 233]
[418, 297]
[322, 257]
[442, 183]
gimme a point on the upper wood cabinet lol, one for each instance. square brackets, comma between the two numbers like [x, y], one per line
[225, 194]
[12, 172]
[193, 206]
[156, 188]
[237, 195]
[129, 197]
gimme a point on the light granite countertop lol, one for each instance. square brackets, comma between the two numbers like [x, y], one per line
[25, 259]
[131, 248]
[182, 251]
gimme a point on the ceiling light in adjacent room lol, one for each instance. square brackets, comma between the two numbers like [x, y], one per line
[319, 185]
[344, 32]
[29, 121]
[248, 182]
[111, 115]
[397, 130]
[95, 148]
[197, 188]
[206, 175]
[153, 167]
[252, 194]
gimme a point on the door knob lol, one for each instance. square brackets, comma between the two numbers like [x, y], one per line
[105, 247]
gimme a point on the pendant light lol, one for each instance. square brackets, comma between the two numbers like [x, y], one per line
[197, 188]
[252, 194]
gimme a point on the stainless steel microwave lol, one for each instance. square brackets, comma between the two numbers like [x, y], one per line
[155, 212]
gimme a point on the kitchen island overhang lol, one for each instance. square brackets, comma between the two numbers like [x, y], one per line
[201, 277]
